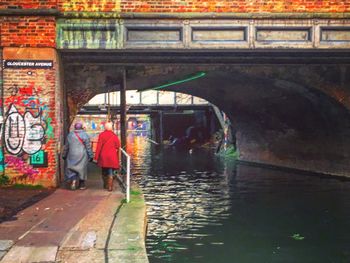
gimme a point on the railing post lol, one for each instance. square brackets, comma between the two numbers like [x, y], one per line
[123, 111]
[128, 179]
[126, 182]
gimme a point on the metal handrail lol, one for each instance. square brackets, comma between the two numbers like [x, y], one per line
[127, 170]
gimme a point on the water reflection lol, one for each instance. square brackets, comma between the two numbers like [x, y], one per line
[202, 210]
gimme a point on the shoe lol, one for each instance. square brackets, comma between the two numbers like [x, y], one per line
[82, 185]
[110, 183]
[73, 185]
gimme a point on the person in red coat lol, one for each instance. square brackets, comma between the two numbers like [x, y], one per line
[107, 155]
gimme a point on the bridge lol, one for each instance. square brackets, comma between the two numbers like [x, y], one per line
[280, 71]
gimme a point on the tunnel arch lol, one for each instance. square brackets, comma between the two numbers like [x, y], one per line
[281, 122]
[285, 115]
[184, 110]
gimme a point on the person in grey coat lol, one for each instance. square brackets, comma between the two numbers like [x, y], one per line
[77, 152]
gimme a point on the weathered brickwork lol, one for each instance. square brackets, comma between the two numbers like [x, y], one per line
[90, 5]
[28, 4]
[2, 163]
[254, 6]
[31, 122]
[28, 32]
[240, 6]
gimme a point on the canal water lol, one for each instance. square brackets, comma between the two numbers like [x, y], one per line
[202, 208]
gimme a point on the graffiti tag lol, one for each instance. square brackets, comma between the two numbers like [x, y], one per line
[23, 132]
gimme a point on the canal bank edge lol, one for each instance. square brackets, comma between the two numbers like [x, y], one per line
[128, 232]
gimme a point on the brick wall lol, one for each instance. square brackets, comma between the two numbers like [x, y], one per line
[28, 4]
[241, 6]
[90, 5]
[2, 167]
[251, 6]
[28, 31]
[31, 124]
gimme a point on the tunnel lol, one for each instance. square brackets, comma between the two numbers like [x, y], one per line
[287, 110]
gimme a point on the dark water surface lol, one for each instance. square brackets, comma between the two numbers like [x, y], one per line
[202, 209]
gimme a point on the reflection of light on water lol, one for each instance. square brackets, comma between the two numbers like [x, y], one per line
[180, 203]
[200, 211]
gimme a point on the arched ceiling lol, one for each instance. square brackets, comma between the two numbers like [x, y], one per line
[289, 115]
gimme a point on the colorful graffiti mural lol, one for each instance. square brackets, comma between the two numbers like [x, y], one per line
[25, 129]
[26, 171]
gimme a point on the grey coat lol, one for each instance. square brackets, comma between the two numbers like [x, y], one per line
[77, 154]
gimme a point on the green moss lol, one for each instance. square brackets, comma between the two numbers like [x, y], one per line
[27, 186]
[4, 179]
[135, 192]
[133, 248]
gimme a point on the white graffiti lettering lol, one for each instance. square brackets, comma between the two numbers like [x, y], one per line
[23, 133]
[34, 133]
[14, 131]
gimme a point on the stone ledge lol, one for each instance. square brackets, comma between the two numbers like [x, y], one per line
[127, 240]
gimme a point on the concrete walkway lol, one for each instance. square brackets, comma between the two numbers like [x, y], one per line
[75, 226]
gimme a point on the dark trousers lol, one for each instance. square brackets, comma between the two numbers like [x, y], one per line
[107, 171]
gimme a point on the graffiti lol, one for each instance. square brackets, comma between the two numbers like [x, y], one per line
[93, 125]
[22, 167]
[49, 129]
[1, 161]
[27, 97]
[23, 132]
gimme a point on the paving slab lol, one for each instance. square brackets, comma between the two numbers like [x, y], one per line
[19, 254]
[5, 244]
[79, 240]
[75, 226]
[90, 256]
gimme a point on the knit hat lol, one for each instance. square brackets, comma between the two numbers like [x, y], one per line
[78, 126]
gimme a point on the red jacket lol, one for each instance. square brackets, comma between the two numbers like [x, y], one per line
[107, 151]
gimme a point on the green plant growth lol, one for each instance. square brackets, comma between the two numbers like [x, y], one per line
[230, 152]
[27, 186]
[4, 179]
[135, 192]
[297, 237]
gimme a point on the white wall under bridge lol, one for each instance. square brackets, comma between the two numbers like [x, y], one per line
[287, 114]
